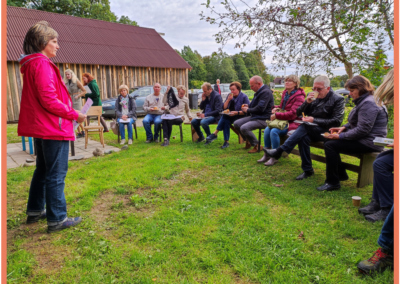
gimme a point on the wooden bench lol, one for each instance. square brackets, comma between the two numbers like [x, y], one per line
[195, 136]
[364, 169]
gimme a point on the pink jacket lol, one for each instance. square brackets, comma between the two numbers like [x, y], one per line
[46, 107]
[293, 103]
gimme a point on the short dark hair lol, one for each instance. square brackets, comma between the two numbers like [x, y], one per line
[88, 76]
[362, 84]
[237, 85]
[37, 37]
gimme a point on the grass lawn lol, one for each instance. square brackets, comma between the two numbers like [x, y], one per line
[192, 213]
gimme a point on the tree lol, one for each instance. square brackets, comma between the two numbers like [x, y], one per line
[312, 35]
[93, 9]
[198, 72]
[242, 73]
[226, 73]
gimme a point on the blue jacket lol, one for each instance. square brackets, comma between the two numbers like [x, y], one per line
[262, 104]
[215, 102]
[236, 103]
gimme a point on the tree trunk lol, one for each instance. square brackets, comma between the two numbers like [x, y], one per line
[349, 69]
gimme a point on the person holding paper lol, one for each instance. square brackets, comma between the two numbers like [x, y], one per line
[233, 103]
[125, 110]
[176, 110]
[366, 121]
[152, 105]
[76, 91]
[94, 94]
[325, 111]
[211, 104]
[47, 115]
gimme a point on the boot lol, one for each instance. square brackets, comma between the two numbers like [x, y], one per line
[371, 208]
[248, 145]
[271, 162]
[263, 159]
[377, 263]
[254, 150]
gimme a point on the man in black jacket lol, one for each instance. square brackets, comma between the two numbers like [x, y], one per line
[257, 113]
[325, 111]
[211, 105]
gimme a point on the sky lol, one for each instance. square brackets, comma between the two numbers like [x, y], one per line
[180, 21]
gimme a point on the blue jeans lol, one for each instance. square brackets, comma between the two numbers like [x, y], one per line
[386, 237]
[204, 123]
[303, 135]
[122, 128]
[152, 118]
[48, 181]
[225, 123]
[272, 136]
[383, 179]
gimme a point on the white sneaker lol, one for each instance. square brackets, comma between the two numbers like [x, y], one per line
[122, 142]
[130, 142]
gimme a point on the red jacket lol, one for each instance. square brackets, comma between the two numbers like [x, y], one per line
[294, 101]
[46, 107]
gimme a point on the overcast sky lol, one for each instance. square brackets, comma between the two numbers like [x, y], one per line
[180, 21]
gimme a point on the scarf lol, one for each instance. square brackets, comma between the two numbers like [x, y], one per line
[286, 98]
[124, 102]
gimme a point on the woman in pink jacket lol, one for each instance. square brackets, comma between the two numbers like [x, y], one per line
[292, 97]
[47, 115]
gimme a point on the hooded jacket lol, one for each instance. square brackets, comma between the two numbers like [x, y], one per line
[46, 108]
[327, 112]
[294, 101]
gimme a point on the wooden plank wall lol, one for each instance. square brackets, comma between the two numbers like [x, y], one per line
[108, 77]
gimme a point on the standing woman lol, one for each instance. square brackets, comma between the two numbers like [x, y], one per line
[75, 88]
[46, 114]
[88, 80]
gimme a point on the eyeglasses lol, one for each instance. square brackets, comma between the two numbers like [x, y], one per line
[318, 89]
[289, 81]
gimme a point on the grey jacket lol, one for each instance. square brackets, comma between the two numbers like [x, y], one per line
[131, 107]
[366, 121]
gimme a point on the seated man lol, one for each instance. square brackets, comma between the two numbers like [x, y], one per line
[211, 105]
[326, 110]
[257, 113]
[152, 105]
[233, 103]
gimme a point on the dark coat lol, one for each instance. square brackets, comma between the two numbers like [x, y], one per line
[327, 112]
[236, 103]
[216, 88]
[366, 121]
[261, 106]
[215, 102]
[131, 108]
[294, 101]
[95, 95]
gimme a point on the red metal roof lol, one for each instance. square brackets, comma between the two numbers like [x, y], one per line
[89, 41]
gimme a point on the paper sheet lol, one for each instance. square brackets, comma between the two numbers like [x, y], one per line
[84, 110]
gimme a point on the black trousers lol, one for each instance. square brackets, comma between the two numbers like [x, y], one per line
[384, 179]
[333, 148]
[167, 126]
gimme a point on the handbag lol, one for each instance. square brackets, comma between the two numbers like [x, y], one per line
[114, 127]
[278, 123]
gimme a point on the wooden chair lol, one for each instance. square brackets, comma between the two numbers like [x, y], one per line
[94, 111]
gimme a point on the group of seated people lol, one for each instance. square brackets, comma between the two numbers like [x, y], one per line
[316, 117]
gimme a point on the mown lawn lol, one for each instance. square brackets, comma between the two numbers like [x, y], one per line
[192, 213]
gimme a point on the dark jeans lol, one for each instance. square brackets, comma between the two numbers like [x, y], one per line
[387, 234]
[48, 181]
[384, 179]
[303, 135]
[225, 123]
[205, 122]
[167, 126]
[102, 122]
[335, 170]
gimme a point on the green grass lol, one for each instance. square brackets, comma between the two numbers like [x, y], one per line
[12, 135]
[192, 213]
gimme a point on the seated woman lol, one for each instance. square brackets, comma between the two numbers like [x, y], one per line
[178, 110]
[233, 103]
[366, 121]
[125, 110]
[292, 97]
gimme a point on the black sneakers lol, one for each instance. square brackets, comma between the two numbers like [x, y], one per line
[378, 216]
[210, 138]
[226, 145]
[371, 208]
[273, 153]
[305, 175]
[328, 187]
[377, 263]
[201, 139]
[34, 219]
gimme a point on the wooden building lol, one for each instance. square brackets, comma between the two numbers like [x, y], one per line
[113, 53]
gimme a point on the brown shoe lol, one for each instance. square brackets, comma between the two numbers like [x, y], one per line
[248, 145]
[254, 150]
